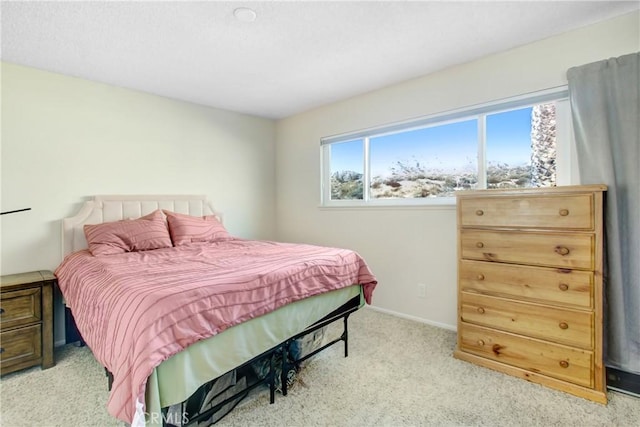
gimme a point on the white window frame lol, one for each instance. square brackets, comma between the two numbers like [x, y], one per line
[565, 153]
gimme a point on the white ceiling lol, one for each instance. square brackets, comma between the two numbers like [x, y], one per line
[295, 56]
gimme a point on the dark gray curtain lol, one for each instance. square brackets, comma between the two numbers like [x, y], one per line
[605, 103]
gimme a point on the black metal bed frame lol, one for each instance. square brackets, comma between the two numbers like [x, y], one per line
[284, 350]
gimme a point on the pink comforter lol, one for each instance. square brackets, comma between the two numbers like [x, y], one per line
[137, 309]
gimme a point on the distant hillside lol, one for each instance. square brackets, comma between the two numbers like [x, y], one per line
[413, 182]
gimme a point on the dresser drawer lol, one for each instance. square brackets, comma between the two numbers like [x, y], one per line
[20, 345]
[566, 212]
[20, 307]
[547, 285]
[570, 327]
[558, 361]
[541, 249]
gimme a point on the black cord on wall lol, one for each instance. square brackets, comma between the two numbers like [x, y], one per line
[17, 210]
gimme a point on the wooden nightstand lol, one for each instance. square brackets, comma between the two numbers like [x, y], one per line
[26, 321]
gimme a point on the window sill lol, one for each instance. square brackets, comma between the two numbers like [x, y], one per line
[444, 204]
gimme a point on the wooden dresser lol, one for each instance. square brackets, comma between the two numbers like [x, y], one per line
[530, 285]
[26, 321]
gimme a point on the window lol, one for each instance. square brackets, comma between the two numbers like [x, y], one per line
[507, 144]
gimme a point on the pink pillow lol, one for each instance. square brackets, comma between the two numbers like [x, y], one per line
[128, 235]
[186, 229]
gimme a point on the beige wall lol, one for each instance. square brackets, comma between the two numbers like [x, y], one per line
[65, 139]
[407, 246]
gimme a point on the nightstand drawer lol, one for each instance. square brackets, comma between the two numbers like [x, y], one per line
[22, 345]
[20, 307]
[567, 212]
[556, 286]
[558, 361]
[541, 249]
[570, 327]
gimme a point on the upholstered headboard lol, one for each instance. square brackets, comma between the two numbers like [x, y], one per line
[113, 208]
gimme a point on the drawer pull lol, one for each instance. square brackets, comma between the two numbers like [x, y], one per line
[480, 276]
[564, 363]
[564, 212]
[479, 245]
[1, 349]
[480, 343]
[1, 310]
[479, 212]
[563, 286]
[563, 325]
[562, 250]
[480, 310]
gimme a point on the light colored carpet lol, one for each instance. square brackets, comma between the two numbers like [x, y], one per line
[398, 373]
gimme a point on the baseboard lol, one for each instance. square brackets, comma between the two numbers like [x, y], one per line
[59, 343]
[624, 382]
[414, 318]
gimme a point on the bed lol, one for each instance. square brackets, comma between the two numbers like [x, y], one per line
[203, 327]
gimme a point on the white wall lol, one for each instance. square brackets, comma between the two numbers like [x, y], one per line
[65, 139]
[407, 246]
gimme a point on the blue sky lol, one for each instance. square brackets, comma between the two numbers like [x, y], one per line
[509, 136]
[451, 147]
